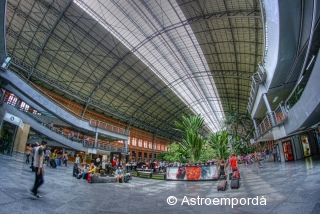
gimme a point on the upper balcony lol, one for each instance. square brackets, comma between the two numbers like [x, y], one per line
[40, 99]
[291, 35]
[287, 30]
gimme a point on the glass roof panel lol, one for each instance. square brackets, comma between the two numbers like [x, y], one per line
[157, 34]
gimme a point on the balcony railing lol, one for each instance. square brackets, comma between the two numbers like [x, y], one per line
[272, 119]
[89, 143]
[257, 78]
[108, 127]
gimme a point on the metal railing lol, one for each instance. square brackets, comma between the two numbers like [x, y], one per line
[108, 127]
[89, 143]
[257, 78]
[260, 76]
[72, 111]
[273, 119]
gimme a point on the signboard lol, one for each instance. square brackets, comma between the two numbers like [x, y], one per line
[287, 150]
[305, 145]
[192, 173]
[13, 119]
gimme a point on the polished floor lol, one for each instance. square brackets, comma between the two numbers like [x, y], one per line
[292, 187]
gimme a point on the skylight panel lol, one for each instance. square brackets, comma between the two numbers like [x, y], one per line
[156, 33]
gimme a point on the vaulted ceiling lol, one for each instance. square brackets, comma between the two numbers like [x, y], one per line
[144, 62]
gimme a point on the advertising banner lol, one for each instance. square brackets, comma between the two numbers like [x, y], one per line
[287, 150]
[192, 173]
[305, 145]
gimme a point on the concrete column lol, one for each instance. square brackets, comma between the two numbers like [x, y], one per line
[153, 142]
[256, 127]
[21, 138]
[125, 143]
[266, 101]
[96, 140]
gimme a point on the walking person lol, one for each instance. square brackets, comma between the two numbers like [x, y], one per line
[39, 169]
[28, 153]
[47, 157]
[65, 159]
[233, 163]
[274, 153]
[266, 153]
[257, 159]
[33, 154]
[78, 159]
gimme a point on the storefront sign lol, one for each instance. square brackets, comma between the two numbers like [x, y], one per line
[305, 145]
[287, 150]
[14, 120]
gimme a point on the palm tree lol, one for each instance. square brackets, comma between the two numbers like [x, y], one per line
[235, 120]
[192, 140]
[220, 143]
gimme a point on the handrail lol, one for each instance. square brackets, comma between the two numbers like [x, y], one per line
[108, 127]
[101, 124]
[260, 76]
[257, 78]
[108, 146]
[279, 115]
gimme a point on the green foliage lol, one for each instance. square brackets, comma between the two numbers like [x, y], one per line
[241, 147]
[161, 156]
[235, 120]
[220, 144]
[192, 141]
[296, 96]
[207, 152]
[176, 153]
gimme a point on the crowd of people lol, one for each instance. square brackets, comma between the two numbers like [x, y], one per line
[81, 171]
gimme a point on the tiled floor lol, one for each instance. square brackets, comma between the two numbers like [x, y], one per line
[292, 187]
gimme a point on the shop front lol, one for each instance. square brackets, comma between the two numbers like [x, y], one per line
[9, 126]
[298, 146]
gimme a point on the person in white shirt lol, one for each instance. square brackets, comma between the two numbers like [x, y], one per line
[39, 169]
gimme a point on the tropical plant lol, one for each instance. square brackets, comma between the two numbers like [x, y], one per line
[161, 156]
[192, 140]
[220, 143]
[175, 153]
[234, 121]
[207, 152]
[296, 96]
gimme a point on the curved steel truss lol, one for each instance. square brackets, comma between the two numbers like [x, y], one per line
[145, 61]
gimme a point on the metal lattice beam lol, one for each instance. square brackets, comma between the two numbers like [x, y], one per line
[48, 36]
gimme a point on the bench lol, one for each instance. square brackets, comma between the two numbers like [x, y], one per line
[144, 172]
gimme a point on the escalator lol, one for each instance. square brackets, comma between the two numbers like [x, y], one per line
[38, 124]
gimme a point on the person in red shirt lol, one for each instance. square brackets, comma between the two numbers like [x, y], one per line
[233, 163]
[114, 162]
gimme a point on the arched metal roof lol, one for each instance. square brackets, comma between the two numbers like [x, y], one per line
[149, 62]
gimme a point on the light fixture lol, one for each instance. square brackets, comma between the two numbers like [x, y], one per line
[275, 99]
[6, 62]
[311, 61]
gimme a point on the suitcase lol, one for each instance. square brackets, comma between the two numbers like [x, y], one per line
[126, 178]
[129, 176]
[222, 185]
[236, 174]
[235, 183]
[90, 178]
